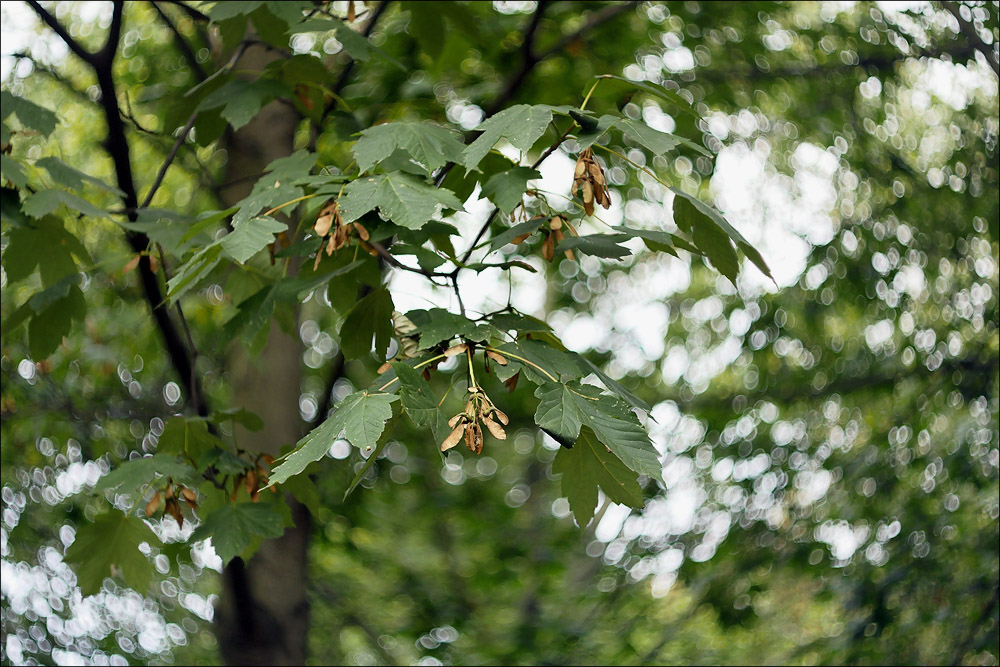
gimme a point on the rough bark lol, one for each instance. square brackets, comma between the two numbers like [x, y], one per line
[262, 615]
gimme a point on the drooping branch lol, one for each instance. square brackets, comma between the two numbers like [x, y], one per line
[57, 27]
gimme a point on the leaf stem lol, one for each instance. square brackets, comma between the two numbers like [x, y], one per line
[511, 355]
[420, 365]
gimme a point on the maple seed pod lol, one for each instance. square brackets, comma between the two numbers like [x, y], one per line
[383, 368]
[497, 357]
[188, 494]
[511, 383]
[495, 429]
[549, 248]
[456, 349]
[362, 232]
[519, 239]
[131, 264]
[250, 481]
[154, 264]
[454, 420]
[556, 223]
[501, 416]
[153, 504]
[453, 437]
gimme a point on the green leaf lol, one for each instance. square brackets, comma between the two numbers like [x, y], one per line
[188, 437]
[506, 189]
[42, 300]
[429, 144]
[598, 245]
[400, 198]
[659, 91]
[73, 178]
[539, 361]
[250, 237]
[12, 171]
[194, 269]
[419, 402]
[30, 114]
[354, 43]
[426, 259]
[373, 456]
[656, 141]
[704, 209]
[613, 385]
[370, 317]
[655, 240]
[508, 236]
[242, 100]
[708, 236]
[10, 208]
[47, 328]
[46, 201]
[361, 417]
[108, 546]
[565, 407]
[221, 11]
[589, 465]
[233, 527]
[521, 125]
[437, 325]
[131, 475]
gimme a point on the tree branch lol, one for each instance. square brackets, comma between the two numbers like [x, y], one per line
[117, 146]
[170, 158]
[57, 27]
[182, 44]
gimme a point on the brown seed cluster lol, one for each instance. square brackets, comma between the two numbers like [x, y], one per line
[170, 501]
[589, 178]
[479, 408]
[254, 479]
[330, 226]
[553, 236]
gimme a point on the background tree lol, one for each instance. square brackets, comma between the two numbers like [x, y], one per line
[827, 451]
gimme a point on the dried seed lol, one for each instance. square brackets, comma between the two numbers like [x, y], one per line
[383, 368]
[154, 264]
[511, 383]
[497, 357]
[556, 223]
[323, 224]
[453, 437]
[153, 504]
[501, 416]
[188, 494]
[520, 238]
[454, 420]
[548, 248]
[131, 264]
[456, 349]
[495, 429]
[362, 232]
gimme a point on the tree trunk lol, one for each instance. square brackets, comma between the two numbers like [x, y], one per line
[262, 615]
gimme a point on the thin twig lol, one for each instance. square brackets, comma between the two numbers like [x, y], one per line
[57, 27]
[170, 158]
[182, 44]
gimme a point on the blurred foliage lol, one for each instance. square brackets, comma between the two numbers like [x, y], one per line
[830, 444]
